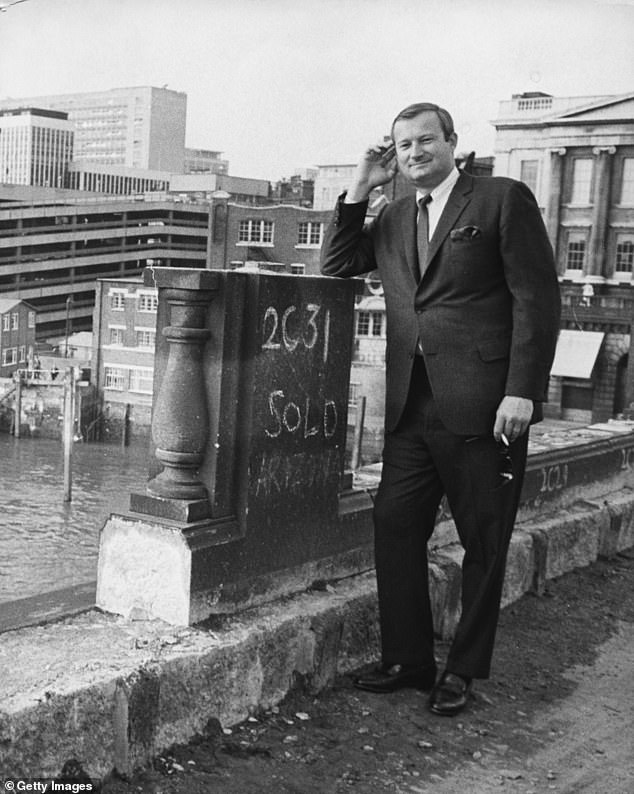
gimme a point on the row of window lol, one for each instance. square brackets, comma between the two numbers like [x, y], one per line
[623, 259]
[260, 231]
[145, 337]
[11, 321]
[136, 379]
[581, 185]
[370, 323]
[14, 355]
[146, 301]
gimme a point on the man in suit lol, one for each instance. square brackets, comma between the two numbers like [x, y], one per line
[472, 305]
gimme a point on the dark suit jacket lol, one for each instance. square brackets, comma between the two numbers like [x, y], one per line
[486, 309]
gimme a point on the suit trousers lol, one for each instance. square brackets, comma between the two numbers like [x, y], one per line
[422, 460]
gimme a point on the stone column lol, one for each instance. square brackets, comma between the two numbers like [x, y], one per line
[553, 208]
[595, 262]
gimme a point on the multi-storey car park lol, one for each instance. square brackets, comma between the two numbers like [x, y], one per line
[52, 252]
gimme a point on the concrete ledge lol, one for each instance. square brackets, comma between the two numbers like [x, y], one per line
[112, 692]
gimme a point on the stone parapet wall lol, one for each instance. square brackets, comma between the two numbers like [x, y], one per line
[112, 693]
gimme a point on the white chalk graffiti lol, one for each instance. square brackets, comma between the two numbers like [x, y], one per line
[309, 419]
[314, 325]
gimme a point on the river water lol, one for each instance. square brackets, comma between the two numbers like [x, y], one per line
[45, 543]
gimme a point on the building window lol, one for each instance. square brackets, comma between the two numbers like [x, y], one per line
[353, 393]
[147, 302]
[116, 336]
[145, 337]
[15, 321]
[252, 231]
[363, 323]
[377, 323]
[6, 322]
[627, 184]
[576, 253]
[115, 378]
[31, 319]
[624, 257]
[528, 173]
[22, 354]
[9, 356]
[141, 380]
[298, 269]
[310, 233]
[581, 180]
[117, 301]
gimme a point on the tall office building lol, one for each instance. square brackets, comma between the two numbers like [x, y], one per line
[141, 127]
[36, 147]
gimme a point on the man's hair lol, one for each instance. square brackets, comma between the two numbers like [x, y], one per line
[444, 117]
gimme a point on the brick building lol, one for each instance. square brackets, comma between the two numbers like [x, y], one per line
[280, 237]
[17, 335]
[124, 337]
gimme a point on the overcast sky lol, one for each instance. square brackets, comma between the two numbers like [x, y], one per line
[282, 84]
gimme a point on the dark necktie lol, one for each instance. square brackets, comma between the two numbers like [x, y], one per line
[422, 234]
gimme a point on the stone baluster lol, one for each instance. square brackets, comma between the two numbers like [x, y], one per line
[180, 423]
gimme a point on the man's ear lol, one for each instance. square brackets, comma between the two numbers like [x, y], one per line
[453, 139]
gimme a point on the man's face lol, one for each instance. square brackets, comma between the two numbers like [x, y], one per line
[423, 155]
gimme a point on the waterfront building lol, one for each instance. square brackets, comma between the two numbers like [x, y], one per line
[36, 146]
[139, 127]
[124, 338]
[577, 156]
[17, 335]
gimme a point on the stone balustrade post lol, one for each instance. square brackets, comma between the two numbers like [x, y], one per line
[180, 422]
[246, 498]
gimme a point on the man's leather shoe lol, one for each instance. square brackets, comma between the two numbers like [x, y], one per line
[450, 695]
[389, 678]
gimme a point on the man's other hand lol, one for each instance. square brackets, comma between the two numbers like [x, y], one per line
[513, 417]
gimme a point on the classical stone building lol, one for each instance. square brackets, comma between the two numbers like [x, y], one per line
[577, 155]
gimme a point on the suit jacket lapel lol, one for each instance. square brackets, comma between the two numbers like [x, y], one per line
[409, 216]
[457, 201]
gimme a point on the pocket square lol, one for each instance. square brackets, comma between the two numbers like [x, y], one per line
[466, 233]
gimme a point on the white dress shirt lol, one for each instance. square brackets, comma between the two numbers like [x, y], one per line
[439, 196]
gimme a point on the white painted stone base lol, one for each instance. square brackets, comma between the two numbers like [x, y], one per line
[144, 571]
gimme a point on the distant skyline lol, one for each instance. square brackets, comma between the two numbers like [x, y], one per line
[279, 85]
